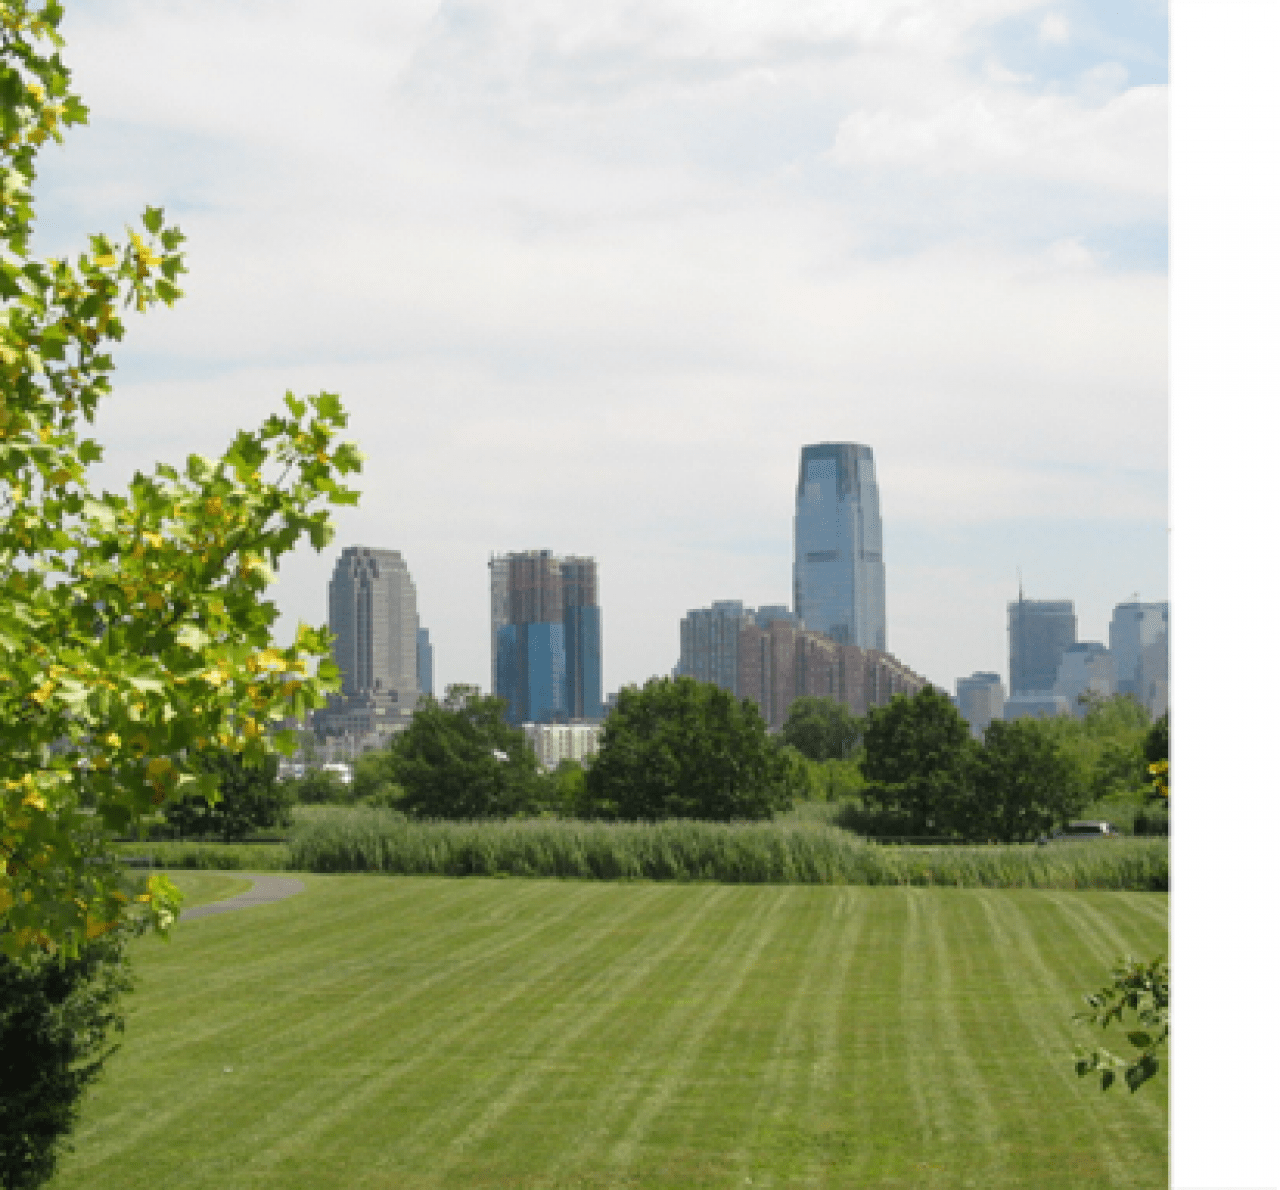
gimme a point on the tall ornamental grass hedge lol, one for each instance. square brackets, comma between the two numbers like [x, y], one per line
[735, 853]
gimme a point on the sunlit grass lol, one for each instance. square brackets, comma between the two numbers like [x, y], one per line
[387, 1032]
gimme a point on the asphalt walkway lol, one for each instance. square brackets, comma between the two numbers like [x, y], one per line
[265, 890]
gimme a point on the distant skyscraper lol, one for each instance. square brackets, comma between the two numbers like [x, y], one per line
[839, 564]
[1087, 668]
[1040, 630]
[426, 663]
[980, 699]
[373, 614]
[709, 643]
[1139, 638]
[545, 636]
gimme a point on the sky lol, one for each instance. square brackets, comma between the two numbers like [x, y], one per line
[588, 276]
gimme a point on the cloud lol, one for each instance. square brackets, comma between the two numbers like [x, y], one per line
[1054, 29]
[588, 277]
[1000, 133]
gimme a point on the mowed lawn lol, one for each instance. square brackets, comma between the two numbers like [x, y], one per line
[388, 1032]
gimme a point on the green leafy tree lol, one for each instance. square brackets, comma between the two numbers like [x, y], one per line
[319, 787]
[461, 759]
[249, 798]
[134, 628]
[1106, 744]
[821, 728]
[1140, 990]
[373, 782]
[58, 1015]
[1023, 784]
[567, 789]
[685, 749]
[918, 760]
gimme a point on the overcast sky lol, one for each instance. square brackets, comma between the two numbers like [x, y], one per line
[588, 276]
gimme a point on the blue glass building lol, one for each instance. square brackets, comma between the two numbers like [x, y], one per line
[839, 563]
[546, 637]
[531, 672]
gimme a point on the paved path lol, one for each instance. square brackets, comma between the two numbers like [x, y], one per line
[265, 890]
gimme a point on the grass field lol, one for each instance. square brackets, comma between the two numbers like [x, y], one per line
[385, 1032]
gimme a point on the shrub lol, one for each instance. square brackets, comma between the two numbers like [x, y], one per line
[57, 1017]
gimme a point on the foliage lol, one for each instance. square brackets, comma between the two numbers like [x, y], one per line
[1024, 784]
[679, 748]
[1106, 744]
[821, 728]
[1155, 749]
[565, 790]
[919, 754]
[1155, 745]
[57, 1016]
[461, 759]
[779, 852]
[1142, 990]
[373, 782]
[205, 857]
[133, 626]
[249, 798]
[319, 787]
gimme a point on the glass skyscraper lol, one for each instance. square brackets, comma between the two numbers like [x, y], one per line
[1040, 632]
[839, 564]
[546, 637]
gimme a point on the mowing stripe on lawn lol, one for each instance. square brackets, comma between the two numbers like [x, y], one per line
[429, 1040]
[418, 1034]
[555, 1032]
[320, 1030]
[1016, 943]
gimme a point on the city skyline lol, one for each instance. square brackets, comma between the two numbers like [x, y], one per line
[640, 261]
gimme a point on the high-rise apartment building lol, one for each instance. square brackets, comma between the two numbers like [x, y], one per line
[781, 661]
[1040, 631]
[709, 643]
[546, 636]
[373, 615]
[980, 698]
[839, 563]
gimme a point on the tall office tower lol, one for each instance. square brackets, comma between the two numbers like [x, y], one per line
[1039, 632]
[1087, 668]
[839, 565]
[980, 699]
[584, 679]
[545, 636]
[426, 663]
[709, 643]
[373, 614]
[1139, 637]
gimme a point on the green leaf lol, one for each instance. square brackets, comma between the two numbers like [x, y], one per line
[153, 219]
[1138, 1039]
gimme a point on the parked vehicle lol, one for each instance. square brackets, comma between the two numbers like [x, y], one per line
[1084, 830]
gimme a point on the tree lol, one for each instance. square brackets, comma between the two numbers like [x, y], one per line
[249, 798]
[821, 728]
[1142, 990]
[461, 759]
[1023, 784]
[373, 783]
[919, 753]
[685, 749]
[57, 1017]
[134, 632]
